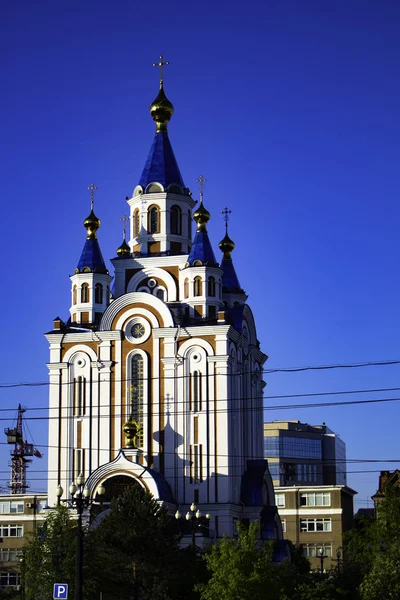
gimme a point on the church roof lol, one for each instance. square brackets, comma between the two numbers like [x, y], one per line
[161, 165]
[91, 258]
[230, 280]
[201, 250]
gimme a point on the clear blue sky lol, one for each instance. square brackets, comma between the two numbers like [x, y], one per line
[289, 108]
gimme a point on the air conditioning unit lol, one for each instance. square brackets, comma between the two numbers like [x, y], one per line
[30, 505]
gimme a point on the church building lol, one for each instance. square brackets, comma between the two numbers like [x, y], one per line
[156, 376]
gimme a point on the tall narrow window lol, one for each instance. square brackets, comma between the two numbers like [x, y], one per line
[98, 293]
[154, 219]
[189, 225]
[186, 288]
[196, 463]
[136, 223]
[136, 394]
[211, 286]
[79, 462]
[74, 290]
[176, 220]
[85, 292]
[79, 396]
[197, 286]
[196, 391]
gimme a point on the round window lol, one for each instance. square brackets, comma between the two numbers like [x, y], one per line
[137, 330]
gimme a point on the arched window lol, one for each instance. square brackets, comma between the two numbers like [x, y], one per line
[196, 391]
[186, 288]
[74, 289]
[85, 292]
[153, 225]
[211, 286]
[79, 396]
[160, 294]
[136, 222]
[98, 293]
[197, 286]
[176, 220]
[136, 394]
[189, 224]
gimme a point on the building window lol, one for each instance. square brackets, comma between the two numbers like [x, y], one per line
[212, 312]
[98, 293]
[136, 222]
[186, 288]
[196, 466]
[195, 391]
[176, 220]
[11, 530]
[11, 507]
[85, 292]
[280, 500]
[10, 578]
[316, 525]
[197, 286]
[211, 286]
[314, 550]
[160, 294]
[136, 394]
[154, 220]
[79, 396]
[79, 462]
[315, 499]
[74, 291]
[8, 555]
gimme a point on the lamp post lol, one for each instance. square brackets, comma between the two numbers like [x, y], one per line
[321, 557]
[80, 499]
[194, 516]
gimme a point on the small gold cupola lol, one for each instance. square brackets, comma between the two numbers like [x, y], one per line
[123, 249]
[161, 109]
[92, 223]
[201, 216]
[227, 246]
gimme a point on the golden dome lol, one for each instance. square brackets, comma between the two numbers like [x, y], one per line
[161, 110]
[124, 249]
[201, 216]
[92, 223]
[227, 245]
[131, 430]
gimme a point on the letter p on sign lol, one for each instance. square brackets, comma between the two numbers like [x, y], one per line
[60, 591]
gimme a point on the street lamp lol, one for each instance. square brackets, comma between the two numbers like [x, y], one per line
[322, 557]
[194, 516]
[80, 499]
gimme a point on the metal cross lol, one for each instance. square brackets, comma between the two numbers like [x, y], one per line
[225, 215]
[201, 180]
[161, 64]
[124, 219]
[92, 189]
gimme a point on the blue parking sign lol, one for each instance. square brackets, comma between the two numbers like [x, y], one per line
[60, 591]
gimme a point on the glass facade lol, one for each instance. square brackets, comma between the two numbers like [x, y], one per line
[340, 458]
[292, 447]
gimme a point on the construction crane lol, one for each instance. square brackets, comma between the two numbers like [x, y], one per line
[22, 450]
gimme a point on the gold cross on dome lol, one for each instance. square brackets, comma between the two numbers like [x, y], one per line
[161, 64]
[201, 180]
[92, 189]
[226, 216]
[124, 219]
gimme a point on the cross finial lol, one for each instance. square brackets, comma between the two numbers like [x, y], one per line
[92, 189]
[201, 180]
[124, 219]
[226, 216]
[161, 64]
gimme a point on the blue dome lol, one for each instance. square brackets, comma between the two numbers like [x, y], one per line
[161, 165]
[91, 258]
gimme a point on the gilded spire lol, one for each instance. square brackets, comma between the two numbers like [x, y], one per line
[124, 249]
[201, 215]
[226, 245]
[161, 109]
[92, 223]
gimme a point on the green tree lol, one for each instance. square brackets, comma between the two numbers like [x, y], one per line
[243, 569]
[136, 550]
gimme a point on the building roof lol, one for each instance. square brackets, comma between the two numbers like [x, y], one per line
[91, 258]
[201, 250]
[161, 165]
[230, 280]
